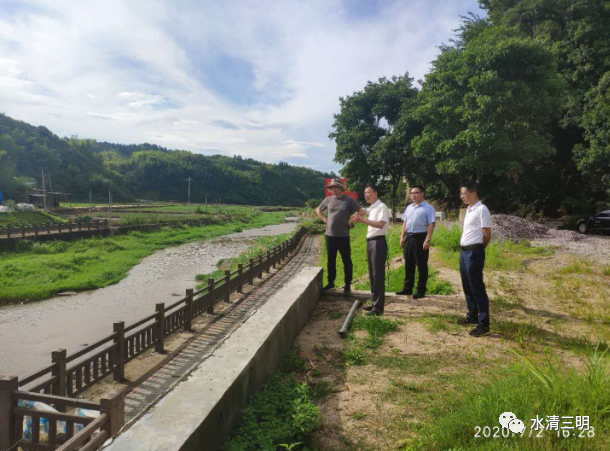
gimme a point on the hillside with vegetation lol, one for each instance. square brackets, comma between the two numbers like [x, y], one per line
[143, 171]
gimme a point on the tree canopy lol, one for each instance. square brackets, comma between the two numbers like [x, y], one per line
[519, 101]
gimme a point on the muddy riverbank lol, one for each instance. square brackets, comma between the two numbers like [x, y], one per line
[30, 332]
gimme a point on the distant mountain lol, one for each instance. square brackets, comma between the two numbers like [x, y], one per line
[144, 171]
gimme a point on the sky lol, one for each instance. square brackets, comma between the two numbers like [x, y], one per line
[260, 79]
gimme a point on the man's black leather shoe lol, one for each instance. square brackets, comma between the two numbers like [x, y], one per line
[404, 293]
[419, 295]
[347, 289]
[479, 331]
[330, 286]
[374, 312]
[465, 321]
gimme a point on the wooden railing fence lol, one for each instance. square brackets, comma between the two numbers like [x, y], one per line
[68, 376]
[60, 428]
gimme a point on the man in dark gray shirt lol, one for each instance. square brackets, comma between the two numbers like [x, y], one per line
[340, 210]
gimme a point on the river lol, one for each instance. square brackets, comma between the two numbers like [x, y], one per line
[30, 332]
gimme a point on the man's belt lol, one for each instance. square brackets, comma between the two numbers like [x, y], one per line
[419, 234]
[473, 247]
[378, 237]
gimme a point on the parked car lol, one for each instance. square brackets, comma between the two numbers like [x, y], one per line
[599, 222]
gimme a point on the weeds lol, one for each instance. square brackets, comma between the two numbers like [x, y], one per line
[282, 414]
[529, 391]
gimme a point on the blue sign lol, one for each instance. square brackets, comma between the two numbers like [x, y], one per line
[1, 197]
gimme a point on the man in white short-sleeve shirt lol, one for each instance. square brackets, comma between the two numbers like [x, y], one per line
[476, 235]
[376, 247]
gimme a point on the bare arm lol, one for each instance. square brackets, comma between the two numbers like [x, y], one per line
[402, 233]
[321, 215]
[486, 235]
[430, 231]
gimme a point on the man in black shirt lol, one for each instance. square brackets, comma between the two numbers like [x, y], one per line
[340, 210]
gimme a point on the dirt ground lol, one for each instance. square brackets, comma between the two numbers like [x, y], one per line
[554, 305]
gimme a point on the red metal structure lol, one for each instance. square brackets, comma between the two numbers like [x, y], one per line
[347, 192]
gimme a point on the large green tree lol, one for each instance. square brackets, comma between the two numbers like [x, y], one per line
[487, 108]
[373, 133]
[577, 33]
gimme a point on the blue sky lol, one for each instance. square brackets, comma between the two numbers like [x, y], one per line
[259, 79]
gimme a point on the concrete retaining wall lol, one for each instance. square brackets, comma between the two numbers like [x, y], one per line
[200, 413]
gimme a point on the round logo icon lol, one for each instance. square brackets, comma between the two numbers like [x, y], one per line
[506, 418]
[516, 426]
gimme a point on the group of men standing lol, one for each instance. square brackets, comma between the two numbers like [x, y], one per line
[419, 220]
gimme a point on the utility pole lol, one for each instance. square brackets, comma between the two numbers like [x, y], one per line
[44, 191]
[109, 206]
[188, 208]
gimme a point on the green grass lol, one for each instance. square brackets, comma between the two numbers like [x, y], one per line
[528, 390]
[358, 350]
[17, 218]
[40, 270]
[395, 279]
[261, 246]
[499, 255]
[281, 415]
[358, 245]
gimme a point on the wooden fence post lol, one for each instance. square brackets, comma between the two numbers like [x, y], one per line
[119, 351]
[89, 224]
[114, 407]
[268, 262]
[240, 277]
[35, 229]
[70, 225]
[251, 265]
[8, 231]
[8, 384]
[160, 309]
[260, 266]
[23, 229]
[60, 387]
[188, 315]
[80, 225]
[227, 284]
[212, 294]
[59, 227]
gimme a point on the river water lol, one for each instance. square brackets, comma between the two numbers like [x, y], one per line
[30, 332]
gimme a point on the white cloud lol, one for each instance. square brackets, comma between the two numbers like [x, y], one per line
[140, 70]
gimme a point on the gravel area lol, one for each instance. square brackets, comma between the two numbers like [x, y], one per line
[507, 227]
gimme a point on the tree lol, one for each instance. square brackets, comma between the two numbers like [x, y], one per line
[372, 133]
[486, 109]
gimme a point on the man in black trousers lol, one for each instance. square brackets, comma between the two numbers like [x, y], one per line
[476, 235]
[340, 209]
[417, 228]
[376, 247]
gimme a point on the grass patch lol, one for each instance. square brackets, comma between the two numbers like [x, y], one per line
[17, 218]
[395, 280]
[282, 415]
[358, 246]
[499, 255]
[261, 246]
[358, 350]
[575, 268]
[528, 390]
[40, 270]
